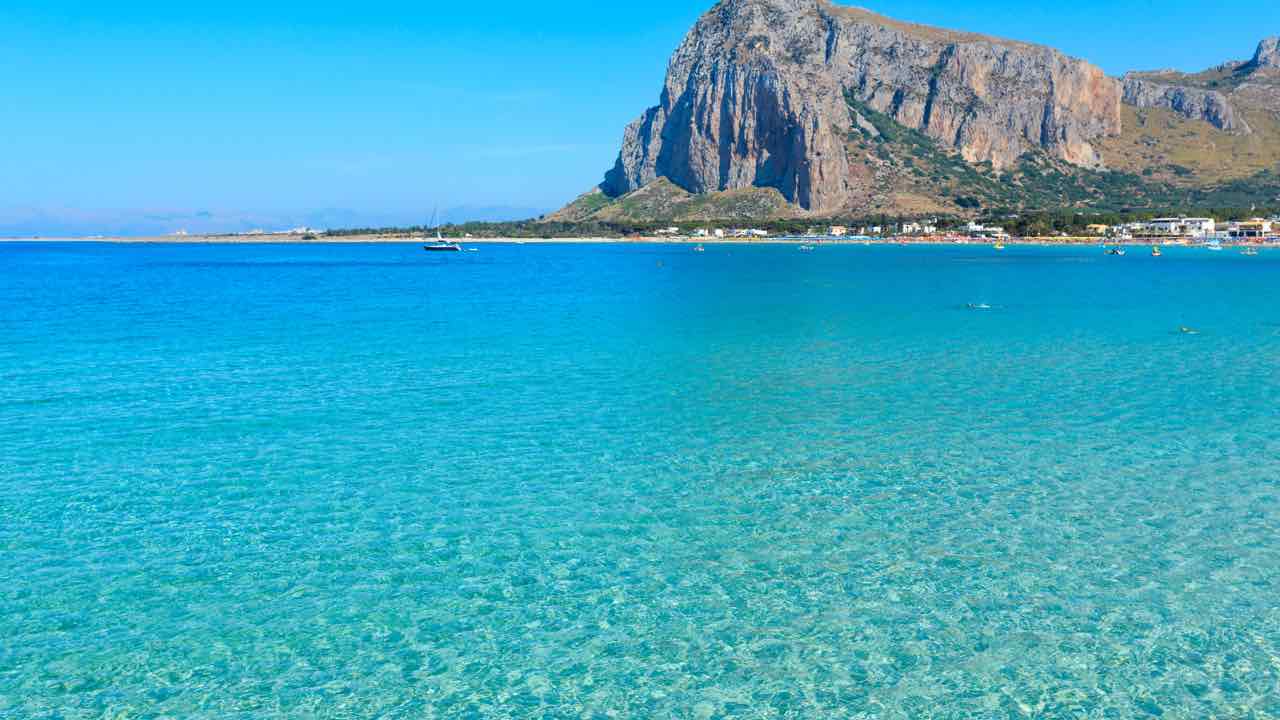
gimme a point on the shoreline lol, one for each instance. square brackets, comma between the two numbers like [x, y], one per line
[825, 241]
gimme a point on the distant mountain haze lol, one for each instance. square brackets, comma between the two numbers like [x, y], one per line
[75, 223]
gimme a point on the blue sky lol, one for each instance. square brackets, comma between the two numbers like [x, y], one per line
[143, 114]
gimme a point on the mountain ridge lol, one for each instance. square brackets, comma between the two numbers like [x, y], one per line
[775, 94]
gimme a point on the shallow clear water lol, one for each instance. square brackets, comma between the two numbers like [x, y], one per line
[636, 481]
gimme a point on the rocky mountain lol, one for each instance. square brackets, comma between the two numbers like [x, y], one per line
[841, 110]
[1267, 57]
[1192, 103]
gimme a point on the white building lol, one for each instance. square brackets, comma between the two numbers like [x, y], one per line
[1124, 231]
[1199, 227]
[919, 228]
[838, 231]
[1180, 227]
[719, 233]
[978, 230]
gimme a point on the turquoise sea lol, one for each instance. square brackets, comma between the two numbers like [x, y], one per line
[638, 482]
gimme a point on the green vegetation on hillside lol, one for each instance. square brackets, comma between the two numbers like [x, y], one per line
[1163, 146]
[907, 162]
[662, 201]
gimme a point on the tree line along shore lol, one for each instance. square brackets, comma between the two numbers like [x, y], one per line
[1055, 226]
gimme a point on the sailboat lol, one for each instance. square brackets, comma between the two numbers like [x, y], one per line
[440, 245]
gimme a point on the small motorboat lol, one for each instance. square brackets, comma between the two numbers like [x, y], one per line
[1117, 250]
[999, 246]
[699, 249]
[1250, 251]
[807, 248]
[1156, 251]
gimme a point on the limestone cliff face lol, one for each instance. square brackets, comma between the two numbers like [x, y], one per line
[1267, 56]
[747, 102]
[756, 96]
[1193, 103]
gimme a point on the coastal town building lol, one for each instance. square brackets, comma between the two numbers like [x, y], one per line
[980, 231]
[1125, 231]
[1163, 226]
[1255, 229]
[1199, 227]
[1181, 227]
[920, 228]
[838, 231]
